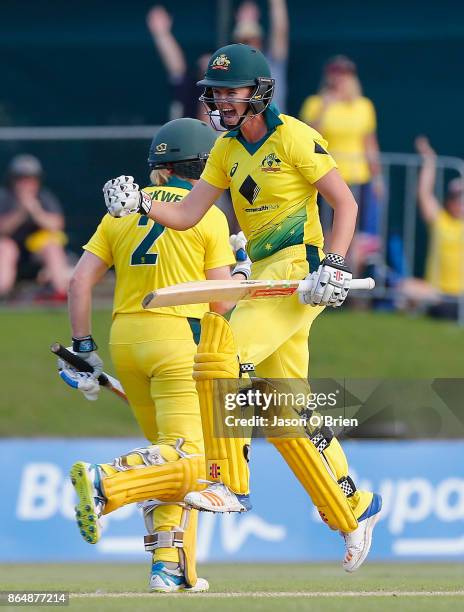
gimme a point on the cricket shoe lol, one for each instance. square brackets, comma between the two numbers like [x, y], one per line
[218, 498]
[358, 542]
[86, 480]
[165, 580]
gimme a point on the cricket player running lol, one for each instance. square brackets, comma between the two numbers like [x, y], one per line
[153, 353]
[274, 166]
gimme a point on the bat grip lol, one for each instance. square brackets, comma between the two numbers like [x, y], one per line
[356, 283]
[75, 361]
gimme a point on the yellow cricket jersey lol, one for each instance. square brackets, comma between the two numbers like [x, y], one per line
[445, 260]
[271, 182]
[148, 256]
[345, 124]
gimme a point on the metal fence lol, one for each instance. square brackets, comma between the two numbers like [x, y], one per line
[79, 159]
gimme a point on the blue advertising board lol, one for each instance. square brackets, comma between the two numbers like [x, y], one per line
[421, 482]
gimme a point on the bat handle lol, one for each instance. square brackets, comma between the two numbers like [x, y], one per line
[75, 361]
[356, 284]
[241, 255]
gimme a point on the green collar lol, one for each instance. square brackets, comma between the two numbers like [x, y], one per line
[271, 116]
[175, 181]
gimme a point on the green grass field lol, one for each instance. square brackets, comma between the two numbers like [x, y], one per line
[252, 587]
[343, 345]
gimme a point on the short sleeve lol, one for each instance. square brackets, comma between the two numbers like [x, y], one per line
[371, 119]
[50, 202]
[215, 230]
[311, 109]
[99, 244]
[309, 153]
[215, 173]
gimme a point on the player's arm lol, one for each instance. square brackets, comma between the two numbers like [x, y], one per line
[89, 271]
[338, 195]
[221, 273]
[428, 203]
[123, 197]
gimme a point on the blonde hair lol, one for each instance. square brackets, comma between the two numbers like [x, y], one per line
[160, 177]
[353, 87]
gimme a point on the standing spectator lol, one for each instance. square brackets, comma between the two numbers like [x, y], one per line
[249, 32]
[347, 120]
[31, 226]
[182, 79]
[445, 258]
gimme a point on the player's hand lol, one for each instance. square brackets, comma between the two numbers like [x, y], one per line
[83, 381]
[330, 284]
[123, 197]
[238, 243]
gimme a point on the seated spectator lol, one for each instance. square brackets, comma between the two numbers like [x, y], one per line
[444, 282]
[347, 120]
[31, 226]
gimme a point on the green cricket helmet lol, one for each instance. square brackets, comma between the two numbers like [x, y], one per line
[182, 145]
[235, 66]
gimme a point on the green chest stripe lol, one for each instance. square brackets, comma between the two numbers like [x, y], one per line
[288, 232]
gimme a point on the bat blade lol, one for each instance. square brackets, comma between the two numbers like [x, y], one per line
[199, 292]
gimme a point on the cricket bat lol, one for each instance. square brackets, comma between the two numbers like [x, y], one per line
[105, 380]
[199, 292]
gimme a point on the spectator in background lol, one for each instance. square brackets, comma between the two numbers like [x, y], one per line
[31, 225]
[445, 257]
[249, 32]
[347, 120]
[182, 79]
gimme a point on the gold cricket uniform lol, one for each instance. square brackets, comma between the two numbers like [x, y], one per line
[345, 124]
[274, 197]
[445, 259]
[153, 350]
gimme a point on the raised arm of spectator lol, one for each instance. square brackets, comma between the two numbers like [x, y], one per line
[159, 23]
[278, 40]
[428, 204]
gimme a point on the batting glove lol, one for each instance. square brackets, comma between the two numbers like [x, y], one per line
[123, 197]
[238, 243]
[329, 286]
[86, 349]
[83, 381]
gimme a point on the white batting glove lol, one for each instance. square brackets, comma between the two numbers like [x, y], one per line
[329, 286]
[123, 197]
[238, 243]
[83, 381]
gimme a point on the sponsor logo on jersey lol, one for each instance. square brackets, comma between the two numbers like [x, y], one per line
[221, 62]
[233, 169]
[271, 163]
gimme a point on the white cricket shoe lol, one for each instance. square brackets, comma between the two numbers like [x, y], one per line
[165, 580]
[218, 498]
[358, 542]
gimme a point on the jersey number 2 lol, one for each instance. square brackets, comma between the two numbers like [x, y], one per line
[141, 256]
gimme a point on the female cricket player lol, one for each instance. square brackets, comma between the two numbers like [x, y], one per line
[153, 353]
[274, 166]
